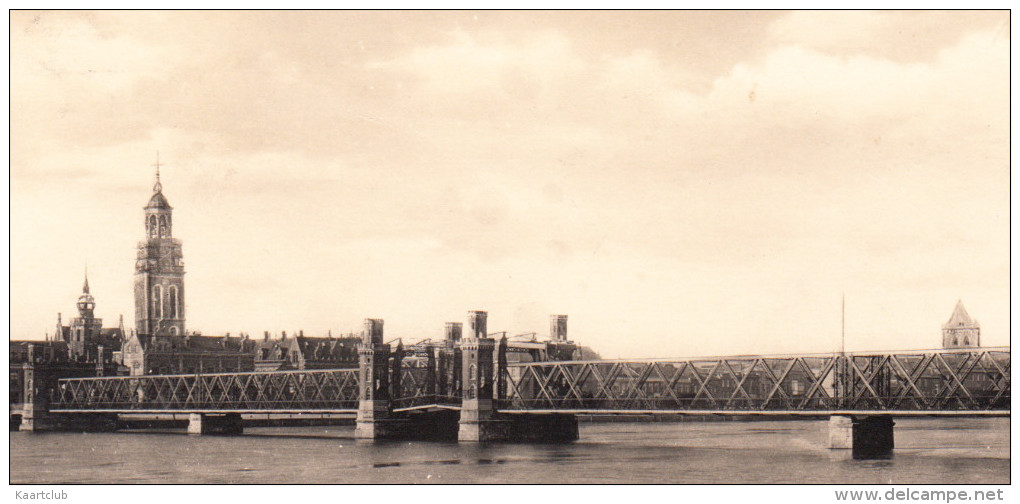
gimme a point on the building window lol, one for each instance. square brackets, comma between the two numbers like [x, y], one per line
[152, 226]
[172, 299]
[164, 229]
[796, 387]
[157, 301]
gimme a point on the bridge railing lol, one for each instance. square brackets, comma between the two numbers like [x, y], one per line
[261, 391]
[946, 380]
[949, 380]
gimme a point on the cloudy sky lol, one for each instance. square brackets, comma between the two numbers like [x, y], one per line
[689, 183]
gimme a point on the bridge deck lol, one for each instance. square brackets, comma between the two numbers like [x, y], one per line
[897, 413]
[955, 382]
[211, 411]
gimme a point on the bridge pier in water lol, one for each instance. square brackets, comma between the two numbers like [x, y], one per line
[869, 437]
[79, 422]
[482, 383]
[374, 406]
[471, 368]
[477, 422]
[32, 410]
[204, 423]
[33, 415]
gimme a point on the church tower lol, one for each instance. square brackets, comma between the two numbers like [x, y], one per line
[159, 271]
[83, 334]
[961, 331]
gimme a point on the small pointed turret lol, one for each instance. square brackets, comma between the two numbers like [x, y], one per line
[157, 187]
[959, 318]
[157, 200]
[961, 331]
[86, 303]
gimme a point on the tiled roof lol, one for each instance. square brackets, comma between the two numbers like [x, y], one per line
[313, 348]
[960, 318]
[191, 343]
[158, 201]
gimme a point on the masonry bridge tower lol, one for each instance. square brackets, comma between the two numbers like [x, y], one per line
[459, 394]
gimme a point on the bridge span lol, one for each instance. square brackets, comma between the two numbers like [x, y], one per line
[465, 389]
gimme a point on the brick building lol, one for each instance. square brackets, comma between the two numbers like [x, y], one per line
[306, 352]
[143, 354]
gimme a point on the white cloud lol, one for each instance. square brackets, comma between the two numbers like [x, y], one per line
[518, 170]
[831, 29]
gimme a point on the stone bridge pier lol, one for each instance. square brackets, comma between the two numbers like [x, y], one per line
[33, 415]
[227, 424]
[478, 421]
[469, 366]
[484, 368]
[33, 411]
[374, 406]
[869, 437]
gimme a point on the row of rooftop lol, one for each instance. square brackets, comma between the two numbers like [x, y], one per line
[120, 352]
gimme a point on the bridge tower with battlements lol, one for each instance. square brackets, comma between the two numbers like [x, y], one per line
[374, 405]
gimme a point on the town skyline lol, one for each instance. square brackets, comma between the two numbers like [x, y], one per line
[680, 184]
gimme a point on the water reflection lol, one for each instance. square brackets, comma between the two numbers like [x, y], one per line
[928, 451]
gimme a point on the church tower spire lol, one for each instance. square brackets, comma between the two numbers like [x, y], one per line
[86, 303]
[85, 288]
[159, 270]
[85, 330]
[961, 331]
[157, 187]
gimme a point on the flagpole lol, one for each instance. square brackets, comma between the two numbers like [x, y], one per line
[842, 368]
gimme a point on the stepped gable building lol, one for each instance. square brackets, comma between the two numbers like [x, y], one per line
[961, 331]
[306, 352]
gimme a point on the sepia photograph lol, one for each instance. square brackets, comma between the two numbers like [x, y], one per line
[718, 248]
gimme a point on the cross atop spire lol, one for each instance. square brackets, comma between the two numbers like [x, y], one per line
[157, 187]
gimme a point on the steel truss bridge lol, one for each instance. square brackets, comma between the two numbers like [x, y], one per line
[974, 381]
[327, 391]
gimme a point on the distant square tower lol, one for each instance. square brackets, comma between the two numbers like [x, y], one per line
[85, 331]
[961, 331]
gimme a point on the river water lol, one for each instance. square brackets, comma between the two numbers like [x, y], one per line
[928, 450]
